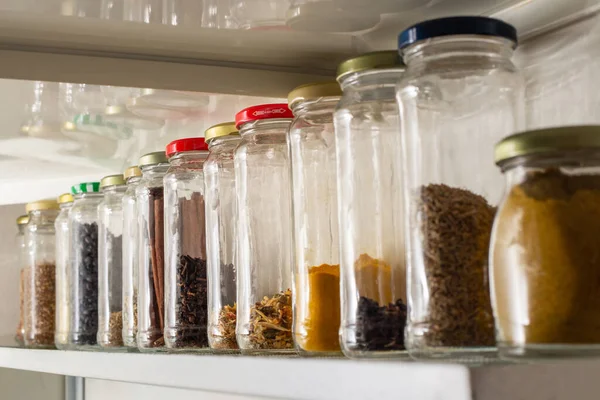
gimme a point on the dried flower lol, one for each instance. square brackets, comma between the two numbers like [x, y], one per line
[271, 322]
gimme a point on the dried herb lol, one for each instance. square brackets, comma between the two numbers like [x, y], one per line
[380, 328]
[40, 305]
[456, 227]
[271, 322]
[115, 330]
[225, 338]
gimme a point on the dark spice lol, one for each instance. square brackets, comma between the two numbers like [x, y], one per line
[40, 305]
[380, 328]
[271, 322]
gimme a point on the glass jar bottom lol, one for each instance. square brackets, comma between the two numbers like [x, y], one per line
[376, 354]
[532, 352]
[460, 355]
[326, 354]
[269, 352]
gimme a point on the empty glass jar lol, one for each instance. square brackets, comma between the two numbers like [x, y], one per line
[371, 212]
[63, 266]
[460, 94]
[262, 176]
[19, 266]
[221, 238]
[316, 275]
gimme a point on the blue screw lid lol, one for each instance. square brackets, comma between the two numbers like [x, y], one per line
[456, 26]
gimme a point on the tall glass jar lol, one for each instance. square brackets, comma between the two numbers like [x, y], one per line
[460, 94]
[83, 228]
[20, 263]
[221, 238]
[316, 277]
[151, 264]
[262, 176]
[370, 204]
[110, 262]
[39, 286]
[63, 265]
[186, 286]
[132, 177]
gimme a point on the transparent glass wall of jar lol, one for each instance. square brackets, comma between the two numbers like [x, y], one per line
[262, 176]
[132, 176]
[460, 94]
[83, 273]
[151, 265]
[110, 262]
[371, 214]
[316, 275]
[20, 263]
[221, 237]
[63, 266]
[40, 272]
[186, 286]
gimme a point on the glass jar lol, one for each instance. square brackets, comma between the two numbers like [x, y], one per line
[186, 286]
[151, 264]
[263, 195]
[316, 277]
[259, 14]
[110, 262]
[544, 265]
[132, 176]
[19, 263]
[371, 213]
[221, 238]
[40, 273]
[63, 266]
[83, 296]
[460, 94]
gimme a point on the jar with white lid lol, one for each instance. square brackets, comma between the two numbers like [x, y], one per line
[460, 94]
[221, 238]
[63, 266]
[19, 266]
[262, 177]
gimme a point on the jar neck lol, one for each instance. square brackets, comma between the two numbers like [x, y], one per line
[565, 159]
[21, 229]
[94, 195]
[151, 171]
[40, 217]
[189, 158]
[315, 107]
[266, 130]
[114, 189]
[224, 143]
[133, 180]
[374, 80]
[66, 206]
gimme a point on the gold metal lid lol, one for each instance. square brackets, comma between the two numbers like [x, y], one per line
[112, 180]
[46, 204]
[23, 220]
[218, 130]
[550, 140]
[374, 60]
[157, 157]
[312, 91]
[132, 171]
[65, 198]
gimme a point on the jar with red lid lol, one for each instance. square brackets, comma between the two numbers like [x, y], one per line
[262, 176]
[186, 286]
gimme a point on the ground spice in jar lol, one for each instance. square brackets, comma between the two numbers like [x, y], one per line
[271, 322]
[40, 305]
[115, 330]
[456, 225]
[546, 260]
[318, 328]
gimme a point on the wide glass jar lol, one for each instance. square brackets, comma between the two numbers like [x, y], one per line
[110, 262]
[132, 177]
[39, 281]
[20, 263]
[186, 286]
[316, 274]
[221, 238]
[369, 176]
[151, 263]
[262, 177]
[63, 266]
[460, 94]
[544, 265]
[83, 277]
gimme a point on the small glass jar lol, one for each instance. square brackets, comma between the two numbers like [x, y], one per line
[460, 94]
[259, 14]
[132, 176]
[19, 264]
[544, 265]
[110, 262]
[151, 264]
[263, 193]
[221, 238]
[186, 286]
[40, 274]
[371, 213]
[83, 277]
[316, 294]
[63, 266]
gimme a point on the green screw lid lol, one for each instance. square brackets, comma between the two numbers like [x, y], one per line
[86, 187]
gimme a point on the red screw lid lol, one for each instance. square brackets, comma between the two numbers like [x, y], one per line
[263, 111]
[188, 144]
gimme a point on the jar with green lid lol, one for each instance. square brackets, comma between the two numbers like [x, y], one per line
[132, 177]
[110, 262]
[63, 240]
[545, 268]
[221, 239]
[371, 211]
[40, 272]
[19, 268]
[83, 228]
